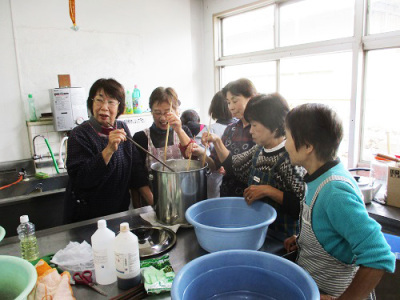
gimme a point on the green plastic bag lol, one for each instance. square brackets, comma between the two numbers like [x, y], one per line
[157, 274]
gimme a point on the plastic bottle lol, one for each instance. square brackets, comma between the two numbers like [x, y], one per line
[103, 254]
[127, 262]
[137, 107]
[31, 109]
[28, 241]
[128, 103]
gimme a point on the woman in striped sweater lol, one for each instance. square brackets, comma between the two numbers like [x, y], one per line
[265, 168]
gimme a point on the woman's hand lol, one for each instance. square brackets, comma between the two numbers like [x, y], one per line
[174, 121]
[210, 137]
[254, 192]
[221, 171]
[290, 243]
[115, 137]
[195, 149]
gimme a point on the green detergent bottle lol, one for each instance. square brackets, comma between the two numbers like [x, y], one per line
[31, 109]
[137, 107]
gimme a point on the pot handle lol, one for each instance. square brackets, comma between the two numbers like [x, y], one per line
[208, 171]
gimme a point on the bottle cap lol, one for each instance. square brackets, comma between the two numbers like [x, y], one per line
[24, 219]
[29, 95]
[135, 86]
[124, 227]
[101, 224]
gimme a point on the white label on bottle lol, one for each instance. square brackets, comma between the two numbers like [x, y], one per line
[100, 257]
[127, 265]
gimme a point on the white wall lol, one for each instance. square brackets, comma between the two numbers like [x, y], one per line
[13, 131]
[150, 43]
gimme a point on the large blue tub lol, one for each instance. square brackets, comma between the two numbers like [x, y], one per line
[243, 274]
[229, 223]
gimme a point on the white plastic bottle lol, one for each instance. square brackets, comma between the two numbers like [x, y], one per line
[127, 261]
[103, 254]
[28, 241]
[128, 103]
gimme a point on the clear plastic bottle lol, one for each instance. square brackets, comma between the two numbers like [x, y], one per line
[379, 176]
[128, 103]
[31, 109]
[137, 107]
[127, 261]
[103, 254]
[28, 241]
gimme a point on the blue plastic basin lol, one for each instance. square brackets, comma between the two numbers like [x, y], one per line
[229, 223]
[243, 274]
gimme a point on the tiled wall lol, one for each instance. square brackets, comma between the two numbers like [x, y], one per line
[46, 129]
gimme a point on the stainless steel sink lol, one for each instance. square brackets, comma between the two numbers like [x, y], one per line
[31, 187]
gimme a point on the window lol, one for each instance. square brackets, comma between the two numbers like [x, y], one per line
[315, 20]
[324, 78]
[248, 32]
[381, 130]
[384, 16]
[344, 53]
[262, 75]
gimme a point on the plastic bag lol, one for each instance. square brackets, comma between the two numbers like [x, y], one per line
[76, 257]
[157, 274]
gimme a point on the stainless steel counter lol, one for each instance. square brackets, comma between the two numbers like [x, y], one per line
[54, 239]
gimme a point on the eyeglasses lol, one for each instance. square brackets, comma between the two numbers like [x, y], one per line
[159, 113]
[110, 102]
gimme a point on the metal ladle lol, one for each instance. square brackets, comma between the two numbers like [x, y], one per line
[141, 148]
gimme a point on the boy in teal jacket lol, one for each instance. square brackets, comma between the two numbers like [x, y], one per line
[341, 247]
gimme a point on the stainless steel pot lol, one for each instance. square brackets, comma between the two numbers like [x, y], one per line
[175, 192]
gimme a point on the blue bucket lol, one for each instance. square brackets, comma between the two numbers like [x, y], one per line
[230, 223]
[243, 274]
[394, 243]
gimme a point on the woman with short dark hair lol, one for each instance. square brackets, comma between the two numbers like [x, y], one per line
[101, 165]
[153, 138]
[220, 112]
[236, 137]
[266, 167]
[339, 245]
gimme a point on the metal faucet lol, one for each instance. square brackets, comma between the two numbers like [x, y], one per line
[60, 161]
[36, 156]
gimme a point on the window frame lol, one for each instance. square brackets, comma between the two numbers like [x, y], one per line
[359, 44]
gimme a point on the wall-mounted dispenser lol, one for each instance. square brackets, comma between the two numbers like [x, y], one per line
[69, 107]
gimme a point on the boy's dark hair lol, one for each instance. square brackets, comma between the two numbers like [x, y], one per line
[317, 125]
[219, 108]
[242, 86]
[111, 88]
[270, 110]
[190, 115]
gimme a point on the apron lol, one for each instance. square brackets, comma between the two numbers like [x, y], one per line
[331, 275]
[173, 151]
[284, 225]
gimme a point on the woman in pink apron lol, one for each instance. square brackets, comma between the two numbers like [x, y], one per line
[153, 138]
[341, 247]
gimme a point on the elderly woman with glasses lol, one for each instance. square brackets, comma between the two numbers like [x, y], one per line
[102, 165]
